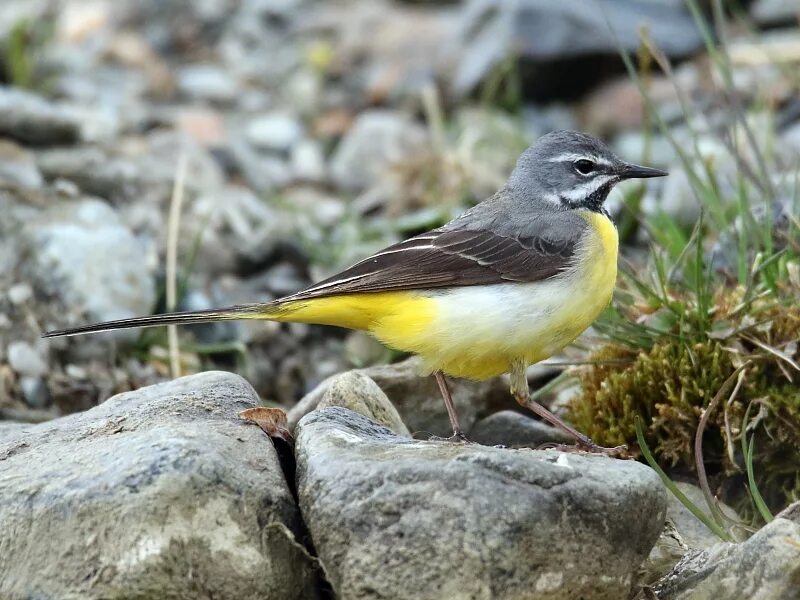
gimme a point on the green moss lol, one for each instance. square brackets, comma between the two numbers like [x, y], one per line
[671, 384]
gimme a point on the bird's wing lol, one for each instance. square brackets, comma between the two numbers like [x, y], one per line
[460, 256]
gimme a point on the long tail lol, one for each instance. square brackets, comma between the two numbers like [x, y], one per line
[245, 311]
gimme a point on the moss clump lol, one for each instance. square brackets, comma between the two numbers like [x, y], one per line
[672, 382]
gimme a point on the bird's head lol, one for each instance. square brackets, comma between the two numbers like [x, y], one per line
[570, 169]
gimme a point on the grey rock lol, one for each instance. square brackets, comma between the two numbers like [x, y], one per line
[691, 530]
[677, 199]
[377, 140]
[765, 567]
[139, 173]
[207, 82]
[31, 119]
[357, 392]
[418, 400]
[10, 431]
[542, 30]
[683, 533]
[277, 131]
[510, 428]
[772, 12]
[308, 162]
[723, 255]
[393, 517]
[26, 360]
[18, 166]
[84, 256]
[263, 173]
[790, 139]
[159, 492]
[420, 403]
[19, 293]
[236, 225]
[35, 391]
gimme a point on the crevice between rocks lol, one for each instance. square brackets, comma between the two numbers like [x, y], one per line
[302, 537]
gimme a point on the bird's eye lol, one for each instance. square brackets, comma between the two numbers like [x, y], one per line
[584, 166]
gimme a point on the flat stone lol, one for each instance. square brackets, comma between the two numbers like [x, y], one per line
[31, 119]
[542, 31]
[397, 518]
[159, 492]
[510, 428]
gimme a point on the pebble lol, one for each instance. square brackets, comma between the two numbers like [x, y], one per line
[308, 162]
[29, 118]
[207, 82]
[378, 140]
[18, 166]
[20, 293]
[25, 359]
[275, 131]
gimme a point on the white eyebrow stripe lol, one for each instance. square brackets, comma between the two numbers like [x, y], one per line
[572, 157]
[586, 189]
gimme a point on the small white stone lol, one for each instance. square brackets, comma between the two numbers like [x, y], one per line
[75, 372]
[25, 360]
[562, 461]
[19, 293]
[277, 131]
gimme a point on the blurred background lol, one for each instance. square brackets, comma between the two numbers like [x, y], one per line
[268, 143]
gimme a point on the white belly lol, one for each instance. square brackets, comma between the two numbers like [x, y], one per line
[482, 330]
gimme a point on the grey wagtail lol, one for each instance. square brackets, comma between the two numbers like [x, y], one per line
[509, 283]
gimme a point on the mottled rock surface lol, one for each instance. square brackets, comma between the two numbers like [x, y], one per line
[397, 518]
[64, 242]
[765, 567]
[29, 118]
[510, 428]
[357, 392]
[162, 492]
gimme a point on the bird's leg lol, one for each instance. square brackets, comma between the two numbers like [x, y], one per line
[458, 435]
[521, 393]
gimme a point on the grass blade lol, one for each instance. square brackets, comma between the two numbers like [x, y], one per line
[670, 485]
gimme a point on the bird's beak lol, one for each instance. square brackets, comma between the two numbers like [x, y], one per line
[631, 171]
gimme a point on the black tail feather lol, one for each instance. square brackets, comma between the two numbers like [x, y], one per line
[246, 311]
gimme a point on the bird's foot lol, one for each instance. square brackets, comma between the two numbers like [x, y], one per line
[458, 437]
[589, 447]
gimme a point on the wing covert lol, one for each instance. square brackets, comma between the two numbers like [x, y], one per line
[458, 255]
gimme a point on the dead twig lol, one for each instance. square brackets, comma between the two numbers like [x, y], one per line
[698, 442]
[173, 229]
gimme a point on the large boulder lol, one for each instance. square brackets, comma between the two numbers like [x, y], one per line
[159, 493]
[765, 567]
[397, 518]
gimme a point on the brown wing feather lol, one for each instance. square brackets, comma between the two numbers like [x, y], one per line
[453, 256]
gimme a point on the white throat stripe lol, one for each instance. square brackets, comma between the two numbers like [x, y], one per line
[586, 189]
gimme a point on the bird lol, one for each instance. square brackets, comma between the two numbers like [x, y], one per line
[508, 283]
